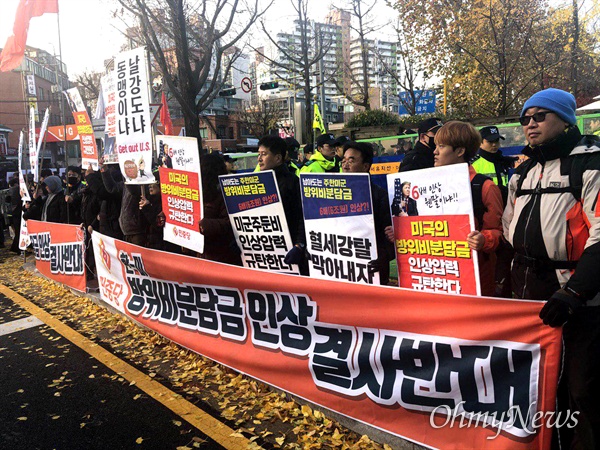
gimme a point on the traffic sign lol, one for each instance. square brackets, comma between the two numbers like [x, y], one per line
[246, 84]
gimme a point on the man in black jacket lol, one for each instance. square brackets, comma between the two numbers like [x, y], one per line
[553, 223]
[358, 157]
[132, 223]
[421, 156]
[271, 156]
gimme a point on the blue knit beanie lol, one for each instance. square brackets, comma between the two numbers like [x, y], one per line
[560, 102]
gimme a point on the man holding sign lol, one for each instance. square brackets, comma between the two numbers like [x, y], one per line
[271, 156]
[358, 157]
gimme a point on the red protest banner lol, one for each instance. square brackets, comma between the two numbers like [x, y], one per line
[415, 364]
[59, 252]
[181, 204]
[433, 254]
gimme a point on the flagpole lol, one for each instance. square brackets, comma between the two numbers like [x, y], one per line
[62, 103]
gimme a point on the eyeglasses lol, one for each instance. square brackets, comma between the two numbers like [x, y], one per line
[539, 116]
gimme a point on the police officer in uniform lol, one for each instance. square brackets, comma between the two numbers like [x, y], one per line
[491, 162]
[323, 160]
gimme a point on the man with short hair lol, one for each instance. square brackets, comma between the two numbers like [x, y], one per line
[421, 156]
[291, 158]
[339, 146]
[552, 220]
[272, 151]
[358, 157]
[323, 160]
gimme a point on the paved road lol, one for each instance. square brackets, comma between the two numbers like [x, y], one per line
[55, 395]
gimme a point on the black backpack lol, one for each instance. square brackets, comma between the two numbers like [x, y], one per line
[479, 209]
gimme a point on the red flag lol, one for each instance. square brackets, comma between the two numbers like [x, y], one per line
[165, 117]
[14, 49]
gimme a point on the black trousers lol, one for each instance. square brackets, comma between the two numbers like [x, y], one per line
[16, 223]
[581, 378]
[579, 388]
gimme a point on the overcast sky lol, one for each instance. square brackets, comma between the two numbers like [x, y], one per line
[89, 34]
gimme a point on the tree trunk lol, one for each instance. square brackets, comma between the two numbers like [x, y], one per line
[575, 49]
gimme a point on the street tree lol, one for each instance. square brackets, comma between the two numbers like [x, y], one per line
[88, 83]
[194, 44]
[480, 47]
[298, 61]
[351, 83]
[260, 119]
[573, 61]
[408, 72]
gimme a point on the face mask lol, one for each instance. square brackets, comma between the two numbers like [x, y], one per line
[73, 180]
[431, 143]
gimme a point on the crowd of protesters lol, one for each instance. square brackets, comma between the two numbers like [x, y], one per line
[537, 233]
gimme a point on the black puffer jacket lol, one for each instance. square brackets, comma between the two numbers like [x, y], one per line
[420, 157]
[131, 219]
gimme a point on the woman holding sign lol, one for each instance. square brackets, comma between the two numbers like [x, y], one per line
[457, 142]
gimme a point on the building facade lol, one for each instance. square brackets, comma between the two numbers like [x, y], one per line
[38, 82]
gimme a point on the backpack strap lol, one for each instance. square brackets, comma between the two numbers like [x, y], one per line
[479, 209]
[573, 166]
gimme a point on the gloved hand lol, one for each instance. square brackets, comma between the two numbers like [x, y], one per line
[296, 255]
[377, 265]
[559, 307]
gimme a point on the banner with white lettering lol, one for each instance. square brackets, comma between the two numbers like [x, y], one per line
[446, 371]
[108, 96]
[59, 252]
[254, 206]
[133, 126]
[432, 214]
[87, 141]
[340, 228]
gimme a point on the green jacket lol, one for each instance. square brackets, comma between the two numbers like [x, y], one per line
[318, 164]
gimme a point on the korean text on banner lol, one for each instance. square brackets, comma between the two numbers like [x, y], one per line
[108, 96]
[415, 364]
[182, 205]
[432, 214]
[59, 252]
[340, 229]
[33, 148]
[25, 197]
[24, 191]
[87, 141]
[134, 128]
[254, 206]
[42, 135]
[178, 152]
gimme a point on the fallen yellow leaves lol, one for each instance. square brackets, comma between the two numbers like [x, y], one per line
[257, 412]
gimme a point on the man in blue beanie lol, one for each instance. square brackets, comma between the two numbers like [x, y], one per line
[552, 220]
